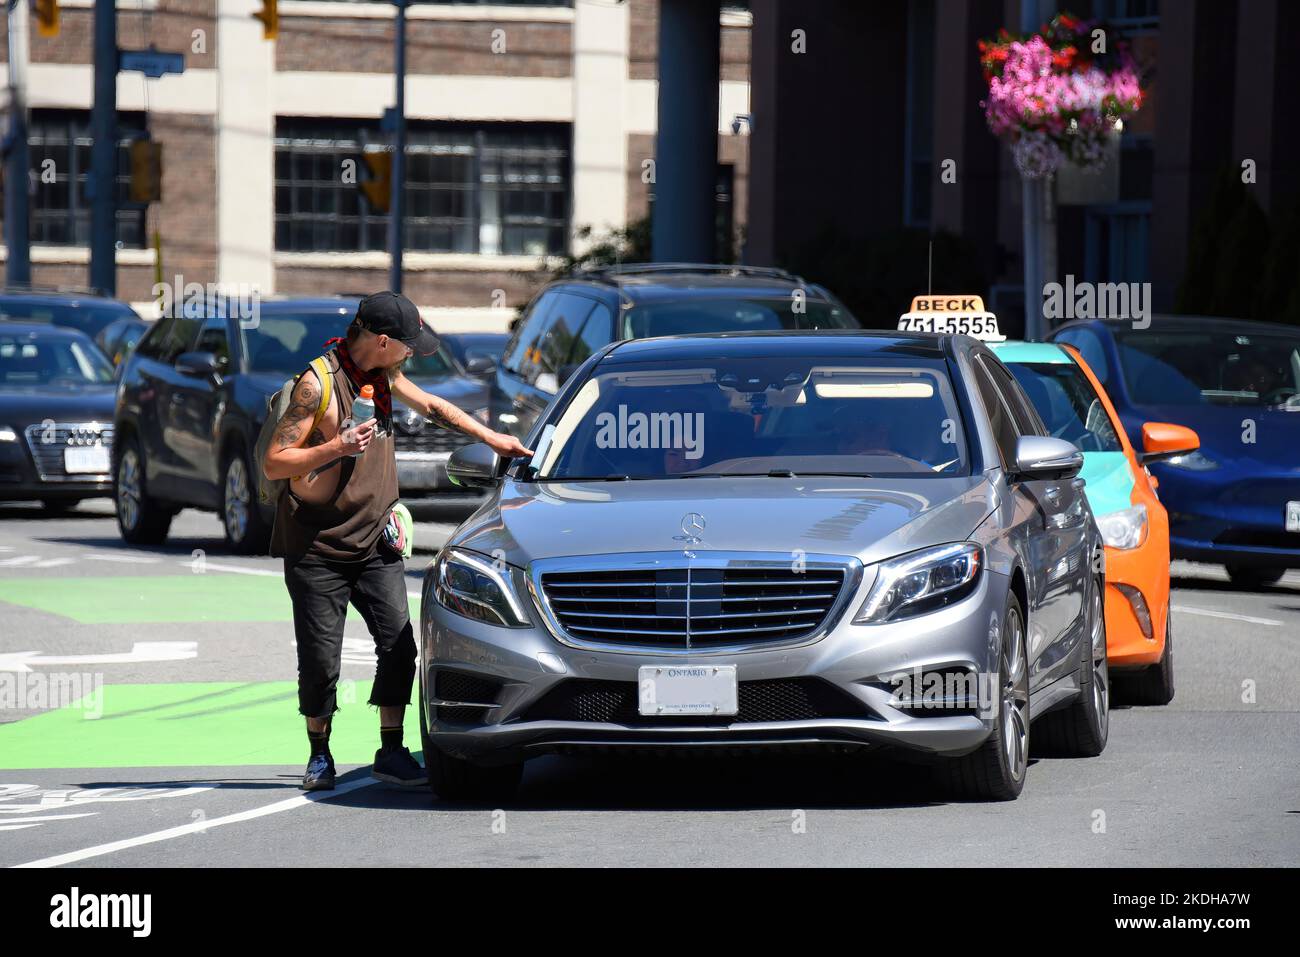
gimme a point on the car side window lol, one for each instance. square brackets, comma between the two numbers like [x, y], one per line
[1090, 347]
[521, 354]
[174, 335]
[212, 338]
[568, 319]
[597, 332]
[1024, 415]
[1004, 430]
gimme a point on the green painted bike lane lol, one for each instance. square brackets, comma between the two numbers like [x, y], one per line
[184, 723]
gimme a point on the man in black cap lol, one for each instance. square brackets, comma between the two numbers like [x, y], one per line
[329, 524]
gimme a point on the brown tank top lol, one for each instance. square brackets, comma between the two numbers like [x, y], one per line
[346, 527]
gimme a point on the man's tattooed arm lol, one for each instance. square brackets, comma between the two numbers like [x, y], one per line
[449, 417]
[293, 451]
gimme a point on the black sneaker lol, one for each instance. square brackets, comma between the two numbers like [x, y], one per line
[398, 767]
[320, 774]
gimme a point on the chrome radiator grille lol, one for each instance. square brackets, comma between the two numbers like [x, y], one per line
[694, 605]
[48, 440]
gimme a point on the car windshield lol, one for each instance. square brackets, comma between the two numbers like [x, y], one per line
[1197, 367]
[431, 366]
[287, 341]
[684, 316]
[870, 415]
[1068, 404]
[86, 317]
[33, 359]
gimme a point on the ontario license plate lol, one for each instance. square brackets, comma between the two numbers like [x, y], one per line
[1293, 516]
[687, 689]
[91, 458]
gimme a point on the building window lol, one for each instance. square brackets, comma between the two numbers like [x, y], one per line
[1134, 16]
[59, 142]
[497, 189]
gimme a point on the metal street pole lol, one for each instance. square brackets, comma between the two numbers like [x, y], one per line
[18, 264]
[103, 153]
[397, 201]
[1035, 195]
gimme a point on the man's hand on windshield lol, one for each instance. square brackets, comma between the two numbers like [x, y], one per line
[507, 446]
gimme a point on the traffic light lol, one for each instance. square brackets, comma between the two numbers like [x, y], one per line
[270, 17]
[146, 171]
[47, 18]
[378, 189]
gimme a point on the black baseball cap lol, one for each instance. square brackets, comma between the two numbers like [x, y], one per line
[392, 314]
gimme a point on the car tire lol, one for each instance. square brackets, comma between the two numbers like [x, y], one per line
[1081, 730]
[1255, 576]
[1154, 684]
[455, 779]
[247, 532]
[996, 770]
[140, 519]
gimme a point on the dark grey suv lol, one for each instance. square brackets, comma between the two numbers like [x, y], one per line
[573, 318]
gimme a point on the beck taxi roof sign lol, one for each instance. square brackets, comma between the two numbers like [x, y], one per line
[951, 315]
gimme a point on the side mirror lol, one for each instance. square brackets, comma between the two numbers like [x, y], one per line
[480, 365]
[1044, 457]
[474, 466]
[198, 364]
[1164, 440]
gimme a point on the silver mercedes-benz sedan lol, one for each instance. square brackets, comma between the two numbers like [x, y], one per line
[844, 541]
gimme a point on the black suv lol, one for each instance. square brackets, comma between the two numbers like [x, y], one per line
[572, 318]
[193, 397]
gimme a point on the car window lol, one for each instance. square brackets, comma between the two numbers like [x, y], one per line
[1004, 430]
[84, 316]
[697, 314]
[597, 332]
[1068, 404]
[28, 359]
[177, 335]
[878, 415]
[1022, 411]
[286, 342]
[521, 355]
[1090, 347]
[568, 316]
[213, 338]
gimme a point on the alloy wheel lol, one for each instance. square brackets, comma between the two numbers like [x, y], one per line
[128, 489]
[1015, 698]
[1100, 666]
[237, 499]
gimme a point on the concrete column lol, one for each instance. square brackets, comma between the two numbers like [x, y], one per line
[245, 148]
[686, 149]
[600, 53]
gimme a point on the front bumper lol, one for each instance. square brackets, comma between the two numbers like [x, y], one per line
[1133, 584]
[1230, 519]
[846, 674]
[21, 481]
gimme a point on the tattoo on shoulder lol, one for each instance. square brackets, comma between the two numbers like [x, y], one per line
[302, 406]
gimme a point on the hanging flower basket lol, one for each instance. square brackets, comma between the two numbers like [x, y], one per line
[1052, 99]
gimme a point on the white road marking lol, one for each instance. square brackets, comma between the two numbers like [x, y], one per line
[54, 562]
[19, 560]
[237, 569]
[126, 559]
[1210, 613]
[35, 821]
[289, 804]
[140, 651]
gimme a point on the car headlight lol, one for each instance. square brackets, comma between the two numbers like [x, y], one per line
[1126, 528]
[7, 434]
[921, 581]
[1196, 461]
[478, 588]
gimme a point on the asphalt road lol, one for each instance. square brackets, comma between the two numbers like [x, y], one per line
[181, 744]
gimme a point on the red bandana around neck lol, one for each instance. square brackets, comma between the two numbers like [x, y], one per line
[383, 396]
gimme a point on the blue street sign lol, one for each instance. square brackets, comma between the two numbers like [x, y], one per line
[150, 62]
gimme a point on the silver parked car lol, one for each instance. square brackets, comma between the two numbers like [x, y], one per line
[839, 540]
